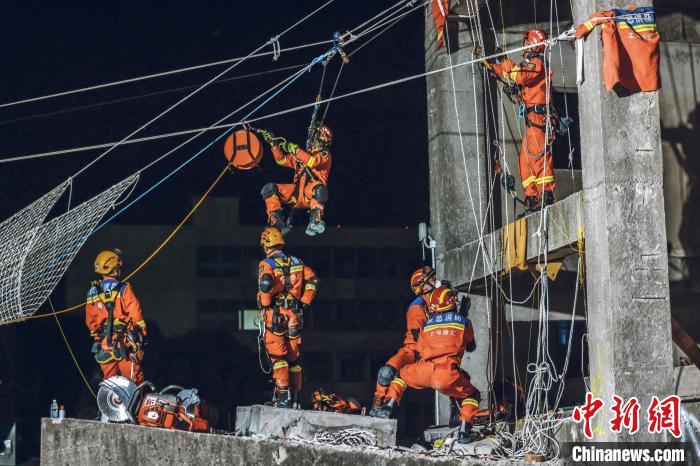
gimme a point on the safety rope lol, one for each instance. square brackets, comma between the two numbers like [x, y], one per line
[275, 114]
[70, 350]
[142, 96]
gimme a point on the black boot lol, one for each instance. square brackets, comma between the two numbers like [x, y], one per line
[282, 398]
[277, 221]
[547, 198]
[385, 410]
[532, 204]
[465, 433]
[316, 225]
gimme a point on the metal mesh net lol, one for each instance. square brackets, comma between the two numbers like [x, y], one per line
[34, 256]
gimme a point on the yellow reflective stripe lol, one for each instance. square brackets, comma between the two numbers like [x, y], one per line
[310, 286]
[400, 382]
[527, 182]
[311, 162]
[545, 179]
[295, 368]
[280, 364]
[470, 401]
[141, 323]
[296, 268]
[589, 25]
[437, 326]
[294, 337]
[281, 161]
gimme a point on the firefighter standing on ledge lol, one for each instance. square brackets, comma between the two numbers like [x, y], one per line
[286, 289]
[113, 316]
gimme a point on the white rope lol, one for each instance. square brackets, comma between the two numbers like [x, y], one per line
[144, 95]
[191, 94]
[6, 159]
[161, 74]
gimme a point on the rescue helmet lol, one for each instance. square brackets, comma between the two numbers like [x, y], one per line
[324, 134]
[442, 299]
[271, 237]
[421, 277]
[534, 36]
[107, 261]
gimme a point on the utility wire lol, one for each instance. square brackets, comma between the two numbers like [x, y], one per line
[272, 41]
[164, 73]
[272, 115]
[144, 96]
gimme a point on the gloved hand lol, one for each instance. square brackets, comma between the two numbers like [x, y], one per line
[476, 50]
[267, 136]
[501, 58]
[303, 307]
[96, 347]
[138, 337]
[289, 147]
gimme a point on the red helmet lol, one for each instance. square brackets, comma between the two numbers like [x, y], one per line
[420, 277]
[534, 36]
[325, 134]
[442, 299]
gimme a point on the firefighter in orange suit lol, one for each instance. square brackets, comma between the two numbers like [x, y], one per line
[422, 283]
[530, 79]
[443, 339]
[286, 289]
[113, 316]
[309, 189]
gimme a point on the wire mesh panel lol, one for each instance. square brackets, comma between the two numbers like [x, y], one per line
[32, 264]
[31, 216]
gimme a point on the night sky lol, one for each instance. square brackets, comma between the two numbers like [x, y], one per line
[380, 167]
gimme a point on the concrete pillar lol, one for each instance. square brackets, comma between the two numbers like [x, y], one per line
[458, 177]
[629, 325]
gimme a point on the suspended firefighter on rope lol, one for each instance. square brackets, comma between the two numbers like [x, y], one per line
[443, 339]
[422, 283]
[287, 288]
[528, 83]
[113, 316]
[309, 189]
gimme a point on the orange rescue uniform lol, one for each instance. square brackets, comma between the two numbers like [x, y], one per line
[442, 342]
[630, 46]
[292, 283]
[126, 317]
[310, 170]
[416, 316]
[535, 162]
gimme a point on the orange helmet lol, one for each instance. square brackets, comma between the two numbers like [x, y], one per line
[534, 36]
[442, 299]
[325, 134]
[107, 261]
[420, 277]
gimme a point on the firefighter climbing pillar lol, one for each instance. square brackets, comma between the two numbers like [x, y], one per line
[629, 323]
[456, 152]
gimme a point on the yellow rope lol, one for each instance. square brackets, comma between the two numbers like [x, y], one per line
[143, 264]
[70, 350]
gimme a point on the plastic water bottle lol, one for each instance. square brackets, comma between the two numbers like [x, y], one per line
[62, 412]
[54, 410]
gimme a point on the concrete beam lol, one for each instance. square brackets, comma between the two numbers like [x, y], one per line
[86, 443]
[467, 263]
[299, 423]
[629, 319]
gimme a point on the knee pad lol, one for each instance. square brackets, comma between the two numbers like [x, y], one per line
[385, 375]
[268, 190]
[320, 193]
[294, 332]
[265, 283]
